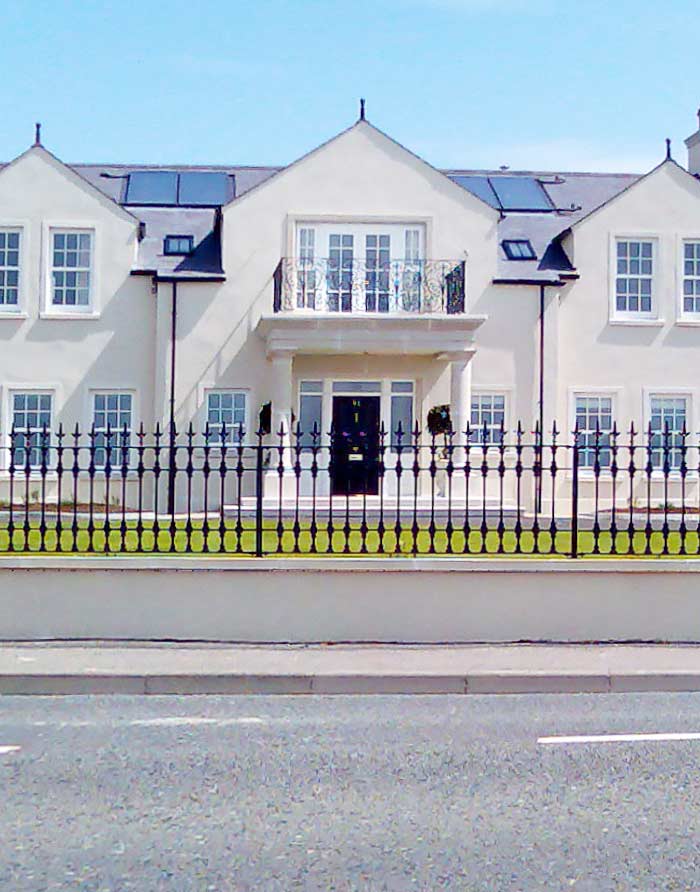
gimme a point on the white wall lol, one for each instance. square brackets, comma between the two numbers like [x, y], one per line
[361, 175]
[631, 357]
[112, 347]
[507, 354]
[359, 600]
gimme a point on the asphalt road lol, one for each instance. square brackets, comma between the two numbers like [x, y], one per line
[107, 794]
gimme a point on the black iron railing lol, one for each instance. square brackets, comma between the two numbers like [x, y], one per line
[394, 287]
[479, 492]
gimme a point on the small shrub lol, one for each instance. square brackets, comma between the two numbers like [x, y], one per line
[439, 420]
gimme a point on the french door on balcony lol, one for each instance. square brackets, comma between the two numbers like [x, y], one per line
[340, 269]
[359, 268]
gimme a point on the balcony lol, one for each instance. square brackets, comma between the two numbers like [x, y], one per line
[395, 287]
[404, 307]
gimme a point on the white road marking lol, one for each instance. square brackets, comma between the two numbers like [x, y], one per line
[184, 720]
[618, 738]
[8, 749]
[166, 721]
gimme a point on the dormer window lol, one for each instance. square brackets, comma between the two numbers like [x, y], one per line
[178, 244]
[519, 249]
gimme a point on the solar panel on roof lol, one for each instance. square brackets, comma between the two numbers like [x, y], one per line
[192, 188]
[480, 187]
[152, 187]
[520, 194]
[205, 188]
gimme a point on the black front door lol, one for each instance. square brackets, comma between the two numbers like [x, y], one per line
[355, 448]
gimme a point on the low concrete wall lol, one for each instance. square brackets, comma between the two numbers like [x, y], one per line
[352, 599]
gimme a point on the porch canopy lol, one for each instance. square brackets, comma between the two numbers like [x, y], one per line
[379, 334]
[447, 338]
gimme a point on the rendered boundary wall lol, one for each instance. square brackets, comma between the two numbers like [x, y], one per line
[349, 599]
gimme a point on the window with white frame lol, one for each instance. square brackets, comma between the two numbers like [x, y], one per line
[112, 419]
[691, 278]
[31, 421]
[594, 423]
[488, 418]
[9, 268]
[668, 426]
[634, 277]
[401, 414]
[71, 269]
[226, 416]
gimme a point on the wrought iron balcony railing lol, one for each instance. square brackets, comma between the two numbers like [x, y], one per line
[327, 285]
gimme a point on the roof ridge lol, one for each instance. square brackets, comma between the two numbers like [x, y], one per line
[458, 171]
[213, 167]
[448, 171]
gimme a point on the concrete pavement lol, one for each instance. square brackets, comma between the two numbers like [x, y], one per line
[167, 668]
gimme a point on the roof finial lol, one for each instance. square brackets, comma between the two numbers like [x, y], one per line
[37, 133]
[699, 116]
[362, 109]
[668, 149]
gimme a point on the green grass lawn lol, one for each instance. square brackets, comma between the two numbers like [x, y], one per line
[240, 539]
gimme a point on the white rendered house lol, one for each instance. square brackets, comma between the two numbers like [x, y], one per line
[355, 288]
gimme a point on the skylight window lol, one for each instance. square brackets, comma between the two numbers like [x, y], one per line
[519, 249]
[178, 244]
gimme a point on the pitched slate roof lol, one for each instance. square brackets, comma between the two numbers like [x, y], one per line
[573, 195]
[111, 178]
[201, 223]
[205, 260]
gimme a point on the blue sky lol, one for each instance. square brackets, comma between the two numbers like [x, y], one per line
[567, 85]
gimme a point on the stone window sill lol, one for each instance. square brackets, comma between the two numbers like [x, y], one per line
[640, 323]
[72, 316]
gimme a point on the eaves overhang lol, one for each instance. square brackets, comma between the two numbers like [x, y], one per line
[369, 334]
[170, 277]
[558, 281]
